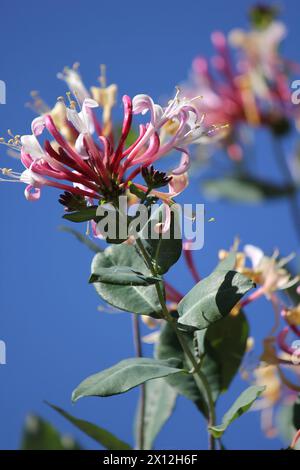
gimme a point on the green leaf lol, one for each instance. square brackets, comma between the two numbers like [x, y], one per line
[82, 238]
[38, 434]
[100, 435]
[225, 343]
[122, 276]
[239, 407]
[245, 188]
[124, 376]
[220, 348]
[169, 346]
[160, 402]
[213, 298]
[165, 249]
[136, 299]
[83, 215]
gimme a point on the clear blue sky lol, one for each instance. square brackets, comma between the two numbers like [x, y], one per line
[55, 336]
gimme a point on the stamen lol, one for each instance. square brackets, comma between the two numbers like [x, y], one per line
[102, 78]
[13, 143]
[6, 171]
[199, 97]
[37, 105]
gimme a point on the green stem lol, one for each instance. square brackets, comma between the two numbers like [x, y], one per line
[142, 401]
[199, 377]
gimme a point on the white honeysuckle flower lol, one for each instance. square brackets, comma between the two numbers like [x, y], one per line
[32, 146]
[269, 271]
[82, 121]
[142, 103]
[74, 83]
[30, 177]
[254, 253]
[261, 48]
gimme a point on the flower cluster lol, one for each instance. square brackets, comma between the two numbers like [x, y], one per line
[82, 151]
[247, 81]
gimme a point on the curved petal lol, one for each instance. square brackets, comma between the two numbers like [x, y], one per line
[74, 117]
[38, 125]
[254, 253]
[143, 103]
[80, 147]
[90, 103]
[178, 184]
[32, 146]
[32, 193]
[184, 163]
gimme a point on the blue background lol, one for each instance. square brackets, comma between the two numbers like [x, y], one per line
[49, 320]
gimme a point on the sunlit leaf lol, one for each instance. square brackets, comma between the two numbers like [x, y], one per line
[124, 376]
[239, 407]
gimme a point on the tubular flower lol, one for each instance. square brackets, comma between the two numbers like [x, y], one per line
[104, 95]
[267, 271]
[93, 166]
[278, 387]
[248, 88]
[267, 375]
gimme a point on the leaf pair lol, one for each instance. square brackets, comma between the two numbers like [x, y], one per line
[129, 287]
[214, 297]
[220, 348]
[121, 276]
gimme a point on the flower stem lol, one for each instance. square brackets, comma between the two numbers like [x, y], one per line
[199, 377]
[142, 401]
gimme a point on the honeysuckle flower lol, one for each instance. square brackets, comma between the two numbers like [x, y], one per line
[269, 271]
[96, 169]
[261, 47]
[278, 387]
[104, 95]
[83, 122]
[248, 89]
[106, 98]
[74, 81]
[267, 376]
[58, 114]
[187, 120]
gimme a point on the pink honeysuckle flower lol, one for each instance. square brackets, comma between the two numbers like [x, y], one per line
[249, 88]
[96, 169]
